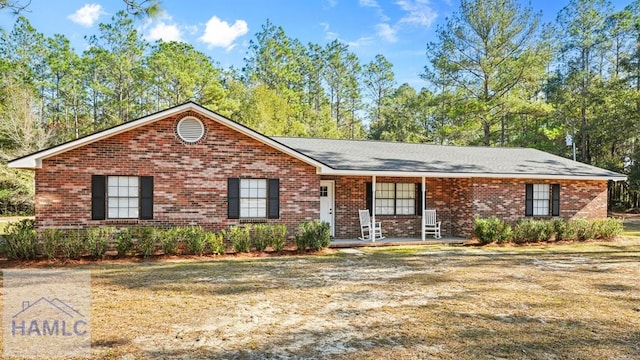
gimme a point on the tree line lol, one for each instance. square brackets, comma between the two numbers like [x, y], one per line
[496, 76]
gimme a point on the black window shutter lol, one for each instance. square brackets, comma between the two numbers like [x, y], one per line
[419, 198]
[369, 191]
[98, 195]
[146, 197]
[233, 198]
[529, 200]
[274, 199]
[555, 200]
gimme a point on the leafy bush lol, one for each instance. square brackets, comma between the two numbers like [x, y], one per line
[239, 238]
[491, 230]
[98, 239]
[50, 242]
[169, 241]
[584, 229]
[72, 244]
[532, 231]
[215, 243]
[607, 229]
[314, 235]
[277, 236]
[260, 237]
[124, 242]
[193, 237]
[564, 229]
[21, 241]
[16, 191]
[146, 239]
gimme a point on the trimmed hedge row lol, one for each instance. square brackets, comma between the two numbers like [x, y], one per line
[23, 242]
[492, 229]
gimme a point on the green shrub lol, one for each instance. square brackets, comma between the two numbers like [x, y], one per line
[146, 239]
[260, 237]
[532, 231]
[124, 242]
[98, 239]
[491, 230]
[313, 235]
[169, 240]
[607, 229]
[50, 242]
[193, 238]
[277, 236]
[239, 237]
[21, 240]
[215, 243]
[584, 229]
[73, 244]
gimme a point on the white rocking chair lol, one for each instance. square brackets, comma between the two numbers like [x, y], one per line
[431, 225]
[370, 232]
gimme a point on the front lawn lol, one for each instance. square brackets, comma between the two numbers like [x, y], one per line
[544, 302]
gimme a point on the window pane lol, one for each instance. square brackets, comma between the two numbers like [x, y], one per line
[253, 198]
[122, 197]
[541, 198]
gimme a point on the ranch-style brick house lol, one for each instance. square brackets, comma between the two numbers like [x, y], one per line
[188, 165]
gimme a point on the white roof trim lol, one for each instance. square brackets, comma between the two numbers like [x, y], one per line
[465, 175]
[34, 161]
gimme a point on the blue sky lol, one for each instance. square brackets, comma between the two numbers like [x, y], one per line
[222, 29]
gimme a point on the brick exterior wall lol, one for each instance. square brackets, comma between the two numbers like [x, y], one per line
[505, 198]
[459, 200]
[190, 180]
[452, 207]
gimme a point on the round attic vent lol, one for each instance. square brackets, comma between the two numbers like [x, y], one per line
[190, 129]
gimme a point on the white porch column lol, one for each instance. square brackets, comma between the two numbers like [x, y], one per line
[373, 208]
[424, 206]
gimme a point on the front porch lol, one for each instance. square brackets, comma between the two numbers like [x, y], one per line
[395, 241]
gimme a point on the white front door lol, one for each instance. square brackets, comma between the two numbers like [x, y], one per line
[327, 203]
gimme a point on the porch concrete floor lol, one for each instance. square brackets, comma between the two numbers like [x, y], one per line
[350, 243]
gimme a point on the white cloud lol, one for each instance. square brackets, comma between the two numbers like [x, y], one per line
[332, 3]
[418, 12]
[87, 15]
[219, 33]
[386, 32]
[369, 3]
[361, 42]
[165, 32]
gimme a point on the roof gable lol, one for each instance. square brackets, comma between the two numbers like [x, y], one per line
[34, 161]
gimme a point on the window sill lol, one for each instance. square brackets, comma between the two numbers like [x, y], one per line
[122, 221]
[253, 220]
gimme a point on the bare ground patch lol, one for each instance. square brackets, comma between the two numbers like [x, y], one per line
[556, 302]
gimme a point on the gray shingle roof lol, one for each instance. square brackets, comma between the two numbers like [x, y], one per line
[361, 155]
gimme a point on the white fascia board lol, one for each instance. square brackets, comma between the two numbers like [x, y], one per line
[467, 175]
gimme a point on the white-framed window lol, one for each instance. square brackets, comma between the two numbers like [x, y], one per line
[253, 198]
[541, 197]
[123, 196]
[395, 198]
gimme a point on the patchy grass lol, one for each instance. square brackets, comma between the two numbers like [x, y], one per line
[631, 227]
[561, 301]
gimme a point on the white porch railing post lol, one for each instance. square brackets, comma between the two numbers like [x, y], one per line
[373, 207]
[424, 206]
